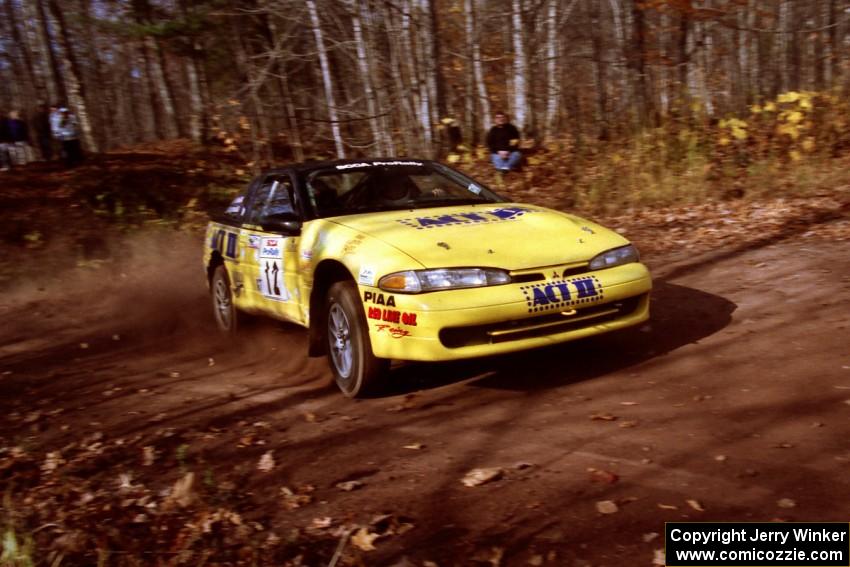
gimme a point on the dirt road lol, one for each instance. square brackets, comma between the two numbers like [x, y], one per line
[733, 405]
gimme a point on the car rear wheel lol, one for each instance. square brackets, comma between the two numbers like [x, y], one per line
[355, 369]
[224, 309]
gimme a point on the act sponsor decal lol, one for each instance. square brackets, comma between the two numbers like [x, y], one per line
[307, 255]
[253, 241]
[379, 298]
[558, 294]
[392, 316]
[366, 275]
[395, 332]
[271, 248]
[478, 217]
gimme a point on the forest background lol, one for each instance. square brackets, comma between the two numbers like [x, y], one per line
[619, 101]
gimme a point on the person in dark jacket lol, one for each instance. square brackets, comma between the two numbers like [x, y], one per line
[503, 141]
[19, 138]
[5, 162]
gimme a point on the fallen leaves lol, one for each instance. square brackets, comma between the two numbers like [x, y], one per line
[364, 540]
[696, 505]
[266, 462]
[607, 507]
[349, 485]
[293, 499]
[602, 476]
[477, 477]
[603, 416]
[786, 503]
[182, 493]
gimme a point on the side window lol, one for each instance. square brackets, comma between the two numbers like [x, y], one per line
[272, 197]
[236, 209]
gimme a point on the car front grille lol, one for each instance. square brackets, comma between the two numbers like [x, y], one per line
[541, 325]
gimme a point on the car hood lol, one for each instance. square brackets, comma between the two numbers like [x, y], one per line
[511, 236]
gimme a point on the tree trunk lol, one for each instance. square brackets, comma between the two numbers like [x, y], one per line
[553, 87]
[327, 80]
[70, 76]
[21, 57]
[44, 59]
[366, 77]
[602, 118]
[520, 118]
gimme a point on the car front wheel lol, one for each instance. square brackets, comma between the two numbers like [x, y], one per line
[355, 369]
[224, 309]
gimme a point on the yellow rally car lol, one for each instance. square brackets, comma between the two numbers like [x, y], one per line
[386, 259]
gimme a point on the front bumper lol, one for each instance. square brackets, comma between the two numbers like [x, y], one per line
[457, 324]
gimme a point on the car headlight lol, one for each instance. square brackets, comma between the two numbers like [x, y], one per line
[615, 257]
[417, 281]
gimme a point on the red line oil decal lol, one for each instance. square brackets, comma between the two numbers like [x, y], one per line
[392, 316]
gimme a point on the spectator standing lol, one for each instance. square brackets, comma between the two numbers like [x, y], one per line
[503, 142]
[19, 138]
[41, 126]
[5, 162]
[66, 130]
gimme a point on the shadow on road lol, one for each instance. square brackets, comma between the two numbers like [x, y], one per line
[679, 316]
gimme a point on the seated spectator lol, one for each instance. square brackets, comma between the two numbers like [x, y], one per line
[503, 141]
[5, 162]
[18, 136]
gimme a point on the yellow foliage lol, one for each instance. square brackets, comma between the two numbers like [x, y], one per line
[616, 158]
[533, 160]
[794, 117]
[790, 96]
[739, 133]
[770, 107]
[806, 104]
[482, 153]
[452, 158]
[788, 130]
[724, 141]
[795, 155]
[755, 109]
[808, 144]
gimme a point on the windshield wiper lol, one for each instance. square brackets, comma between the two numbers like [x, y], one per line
[423, 204]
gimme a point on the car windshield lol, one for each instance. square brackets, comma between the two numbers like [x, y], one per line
[370, 186]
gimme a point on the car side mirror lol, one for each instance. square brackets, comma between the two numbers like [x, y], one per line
[288, 224]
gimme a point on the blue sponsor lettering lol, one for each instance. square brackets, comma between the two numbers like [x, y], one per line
[231, 244]
[492, 215]
[438, 221]
[561, 294]
[585, 287]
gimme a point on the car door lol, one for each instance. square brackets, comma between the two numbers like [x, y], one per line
[271, 233]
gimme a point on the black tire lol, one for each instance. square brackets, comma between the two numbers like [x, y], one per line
[224, 310]
[356, 369]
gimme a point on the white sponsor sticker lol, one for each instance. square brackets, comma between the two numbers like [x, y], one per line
[366, 276]
[270, 281]
[377, 164]
[473, 188]
[253, 241]
[271, 248]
